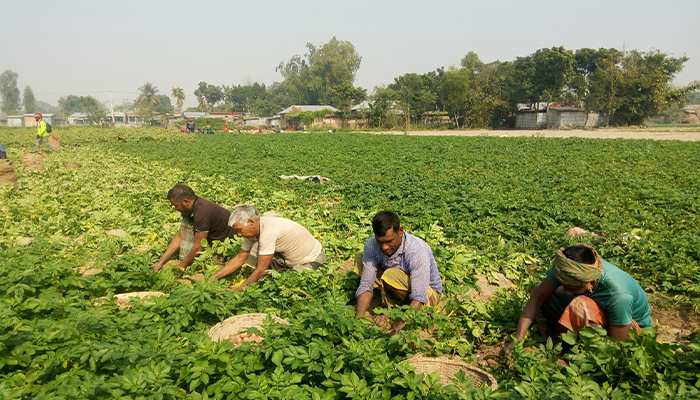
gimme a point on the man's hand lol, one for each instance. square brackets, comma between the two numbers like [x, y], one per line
[396, 329]
[236, 289]
[157, 266]
[506, 351]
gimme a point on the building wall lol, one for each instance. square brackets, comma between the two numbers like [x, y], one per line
[531, 120]
[15, 121]
[29, 120]
[577, 118]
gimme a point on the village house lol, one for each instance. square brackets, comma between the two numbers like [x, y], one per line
[332, 120]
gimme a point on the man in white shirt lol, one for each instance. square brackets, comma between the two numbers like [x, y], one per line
[270, 242]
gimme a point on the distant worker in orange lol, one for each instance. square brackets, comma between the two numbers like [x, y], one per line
[225, 126]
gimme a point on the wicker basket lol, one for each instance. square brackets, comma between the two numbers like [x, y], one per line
[71, 164]
[123, 299]
[238, 323]
[138, 294]
[448, 368]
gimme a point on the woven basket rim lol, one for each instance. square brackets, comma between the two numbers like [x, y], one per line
[238, 323]
[129, 295]
[447, 369]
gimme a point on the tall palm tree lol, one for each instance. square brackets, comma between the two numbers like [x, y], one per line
[148, 95]
[179, 97]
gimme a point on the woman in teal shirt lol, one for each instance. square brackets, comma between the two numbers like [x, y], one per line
[581, 289]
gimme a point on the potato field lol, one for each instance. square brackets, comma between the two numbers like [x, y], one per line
[488, 206]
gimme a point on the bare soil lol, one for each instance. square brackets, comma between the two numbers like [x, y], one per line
[655, 133]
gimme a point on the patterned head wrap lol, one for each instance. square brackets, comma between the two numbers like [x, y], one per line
[575, 274]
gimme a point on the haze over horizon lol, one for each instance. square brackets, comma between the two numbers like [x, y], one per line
[80, 47]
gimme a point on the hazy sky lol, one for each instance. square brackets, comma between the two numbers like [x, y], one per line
[90, 47]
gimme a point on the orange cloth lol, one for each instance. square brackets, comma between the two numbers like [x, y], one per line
[584, 311]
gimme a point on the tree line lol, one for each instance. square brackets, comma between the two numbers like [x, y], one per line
[625, 86]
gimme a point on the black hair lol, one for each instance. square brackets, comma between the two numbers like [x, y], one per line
[181, 192]
[383, 221]
[580, 253]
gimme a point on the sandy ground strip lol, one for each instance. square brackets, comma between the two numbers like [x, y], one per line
[684, 134]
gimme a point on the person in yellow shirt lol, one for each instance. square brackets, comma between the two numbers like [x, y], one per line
[42, 136]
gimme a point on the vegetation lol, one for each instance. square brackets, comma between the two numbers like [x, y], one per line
[485, 205]
[9, 92]
[29, 100]
[93, 109]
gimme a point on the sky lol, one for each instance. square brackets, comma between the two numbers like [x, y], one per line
[94, 47]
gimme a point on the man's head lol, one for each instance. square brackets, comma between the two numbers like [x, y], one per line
[387, 231]
[190, 118]
[245, 221]
[37, 117]
[182, 197]
[577, 268]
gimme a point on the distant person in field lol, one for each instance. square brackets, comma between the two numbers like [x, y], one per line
[225, 126]
[42, 136]
[399, 265]
[208, 128]
[201, 219]
[191, 125]
[270, 242]
[3, 153]
[583, 290]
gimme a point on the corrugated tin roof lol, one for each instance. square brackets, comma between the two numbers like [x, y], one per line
[359, 107]
[195, 114]
[78, 115]
[307, 108]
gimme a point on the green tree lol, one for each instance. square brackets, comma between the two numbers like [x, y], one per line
[413, 97]
[380, 109]
[324, 75]
[456, 90]
[46, 108]
[597, 80]
[68, 105]
[645, 86]
[208, 95]
[147, 95]
[163, 106]
[297, 85]
[541, 76]
[95, 110]
[553, 69]
[179, 95]
[471, 61]
[693, 97]
[29, 100]
[476, 94]
[9, 92]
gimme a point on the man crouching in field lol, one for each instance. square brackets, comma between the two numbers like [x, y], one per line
[201, 219]
[400, 265]
[581, 289]
[270, 242]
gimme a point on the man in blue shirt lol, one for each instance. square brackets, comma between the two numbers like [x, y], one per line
[400, 265]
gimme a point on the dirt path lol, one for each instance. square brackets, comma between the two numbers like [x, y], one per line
[681, 133]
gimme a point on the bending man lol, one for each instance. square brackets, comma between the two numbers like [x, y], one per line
[201, 219]
[270, 242]
[581, 289]
[400, 265]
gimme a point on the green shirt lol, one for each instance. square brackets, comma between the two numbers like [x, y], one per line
[619, 294]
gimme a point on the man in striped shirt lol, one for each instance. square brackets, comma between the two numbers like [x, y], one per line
[400, 265]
